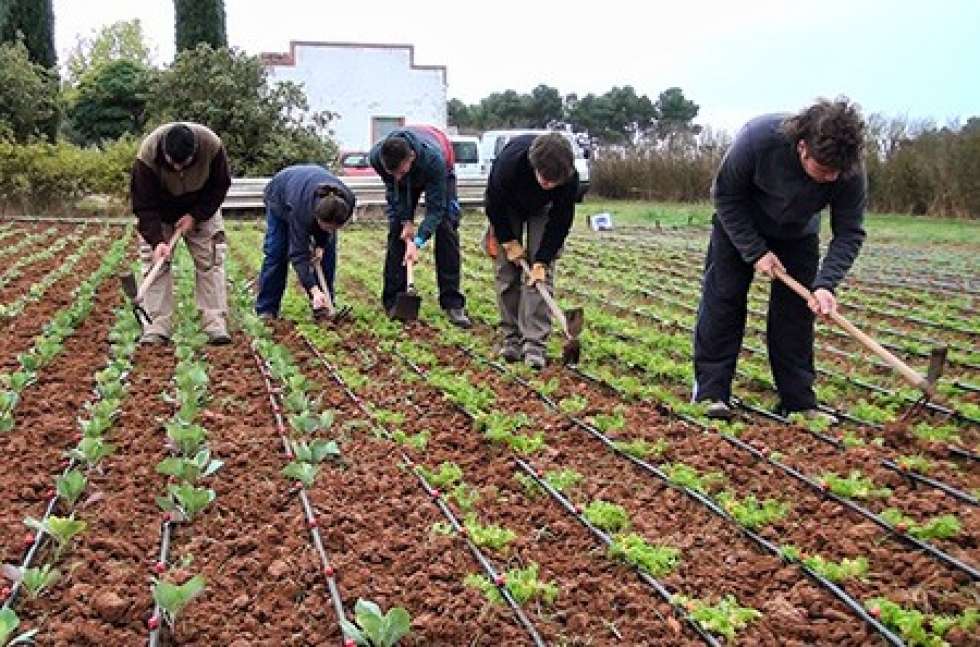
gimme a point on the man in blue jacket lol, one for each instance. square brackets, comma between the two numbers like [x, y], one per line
[412, 160]
[302, 202]
[780, 172]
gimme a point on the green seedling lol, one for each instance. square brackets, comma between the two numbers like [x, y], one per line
[607, 516]
[173, 598]
[8, 400]
[492, 536]
[91, 451]
[61, 529]
[848, 568]
[186, 499]
[749, 512]
[187, 439]
[937, 433]
[96, 426]
[573, 404]
[562, 480]
[35, 580]
[190, 470]
[725, 618]
[418, 442]
[688, 477]
[315, 451]
[305, 473]
[854, 486]
[70, 486]
[915, 463]
[465, 497]
[522, 583]
[449, 474]
[606, 422]
[642, 449]
[944, 526]
[655, 560]
[374, 628]
[6, 422]
[918, 629]
[8, 625]
[20, 380]
[308, 423]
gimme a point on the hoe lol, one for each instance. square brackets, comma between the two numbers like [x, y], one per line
[571, 322]
[136, 295]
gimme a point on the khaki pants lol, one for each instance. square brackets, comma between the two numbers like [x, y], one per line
[207, 245]
[525, 319]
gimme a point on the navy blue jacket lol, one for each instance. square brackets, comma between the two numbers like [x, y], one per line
[761, 191]
[429, 172]
[513, 192]
[291, 196]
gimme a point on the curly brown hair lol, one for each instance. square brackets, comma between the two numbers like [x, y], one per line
[833, 132]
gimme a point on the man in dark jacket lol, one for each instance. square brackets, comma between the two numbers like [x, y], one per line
[302, 202]
[532, 186]
[780, 172]
[178, 182]
[412, 160]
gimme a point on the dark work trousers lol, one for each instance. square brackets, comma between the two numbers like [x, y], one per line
[448, 257]
[789, 326]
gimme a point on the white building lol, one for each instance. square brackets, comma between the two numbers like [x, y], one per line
[374, 88]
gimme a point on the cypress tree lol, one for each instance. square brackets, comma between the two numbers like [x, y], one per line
[35, 20]
[200, 21]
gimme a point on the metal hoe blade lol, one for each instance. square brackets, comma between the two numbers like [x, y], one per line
[406, 306]
[937, 364]
[129, 288]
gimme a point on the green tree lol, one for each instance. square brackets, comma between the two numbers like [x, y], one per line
[123, 40]
[111, 102]
[200, 21]
[543, 107]
[674, 115]
[459, 114]
[33, 20]
[28, 95]
[264, 127]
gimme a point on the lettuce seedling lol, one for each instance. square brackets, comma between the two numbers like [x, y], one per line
[847, 568]
[655, 560]
[186, 499]
[607, 516]
[96, 426]
[190, 470]
[609, 422]
[562, 480]
[20, 380]
[418, 442]
[70, 486]
[573, 404]
[944, 526]
[173, 598]
[303, 472]
[316, 451]
[724, 618]
[749, 513]
[915, 463]
[642, 449]
[8, 625]
[91, 451]
[35, 580]
[375, 629]
[449, 474]
[308, 423]
[493, 536]
[8, 400]
[686, 476]
[61, 529]
[854, 486]
[522, 583]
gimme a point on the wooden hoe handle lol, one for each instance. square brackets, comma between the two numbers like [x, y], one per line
[552, 305]
[156, 269]
[913, 377]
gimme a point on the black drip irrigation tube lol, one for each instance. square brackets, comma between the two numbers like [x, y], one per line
[488, 568]
[704, 500]
[33, 547]
[328, 571]
[645, 577]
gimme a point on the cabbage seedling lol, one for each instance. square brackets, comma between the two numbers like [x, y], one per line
[61, 529]
[35, 580]
[70, 486]
[8, 625]
[173, 598]
[376, 629]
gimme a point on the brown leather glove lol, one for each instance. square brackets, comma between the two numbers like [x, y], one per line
[513, 250]
[539, 272]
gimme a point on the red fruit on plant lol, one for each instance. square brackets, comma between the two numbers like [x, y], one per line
[153, 623]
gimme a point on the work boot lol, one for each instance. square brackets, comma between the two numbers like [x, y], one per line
[718, 410]
[219, 338]
[534, 359]
[153, 339]
[510, 352]
[817, 414]
[458, 317]
[268, 316]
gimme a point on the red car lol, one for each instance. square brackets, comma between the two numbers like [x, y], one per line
[355, 163]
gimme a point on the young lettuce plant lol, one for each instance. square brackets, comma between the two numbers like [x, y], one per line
[172, 598]
[61, 529]
[70, 486]
[35, 580]
[8, 625]
[316, 451]
[655, 560]
[190, 470]
[607, 516]
[186, 499]
[305, 473]
[91, 451]
[494, 537]
[187, 439]
[376, 629]
[724, 618]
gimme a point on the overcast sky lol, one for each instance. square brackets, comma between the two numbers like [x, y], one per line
[735, 59]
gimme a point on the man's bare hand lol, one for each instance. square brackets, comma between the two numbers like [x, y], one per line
[317, 255]
[823, 302]
[411, 253]
[408, 231]
[161, 252]
[768, 263]
[320, 300]
[185, 224]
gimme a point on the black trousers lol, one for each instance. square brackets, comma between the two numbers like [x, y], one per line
[789, 326]
[448, 257]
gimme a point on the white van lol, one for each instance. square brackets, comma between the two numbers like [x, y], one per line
[493, 141]
[467, 152]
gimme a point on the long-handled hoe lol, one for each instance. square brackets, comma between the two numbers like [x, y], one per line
[136, 295]
[330, 313]
[925, 383]
[571, 322]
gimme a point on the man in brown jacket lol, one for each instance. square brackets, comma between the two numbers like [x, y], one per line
[179, 180]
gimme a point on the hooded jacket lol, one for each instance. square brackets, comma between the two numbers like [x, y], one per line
[290, 196]
[430, 173]
[160, 194]
[762, 191]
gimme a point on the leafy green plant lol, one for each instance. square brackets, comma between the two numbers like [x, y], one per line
[449, 473]
[315, 451]
[642, 449]
[465, 496]
[70, 486]
[92, 451]
[418, 442]
[944, 526]
[686, 476]
[563, 480]
[186, 499]
[35, 580]
[918, 629]
[522, 583]
[607, 516]
[61, 529]
[305, 473]
[376, 629]
[749, 512]
[573, 404]
[633, 549]
[724, 618]
[188, 439]
[854, 486]
[492, 536]
[606, 422]
[173, 598]
[947, 433]
[8, 625]
[847, 568]
[308, 423]
[819, 424]
[915, 463]
[851, 439]
[190, 470]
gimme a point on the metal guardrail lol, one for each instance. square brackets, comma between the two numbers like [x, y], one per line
[246, 193]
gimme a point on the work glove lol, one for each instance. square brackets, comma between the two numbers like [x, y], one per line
[513, 250]
[539, 272]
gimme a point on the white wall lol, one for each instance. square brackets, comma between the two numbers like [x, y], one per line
[360, 82]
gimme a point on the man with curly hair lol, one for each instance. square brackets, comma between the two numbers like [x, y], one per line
[779, 173]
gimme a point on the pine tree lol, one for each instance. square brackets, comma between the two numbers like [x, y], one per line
[200, 21]
[34, 19]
